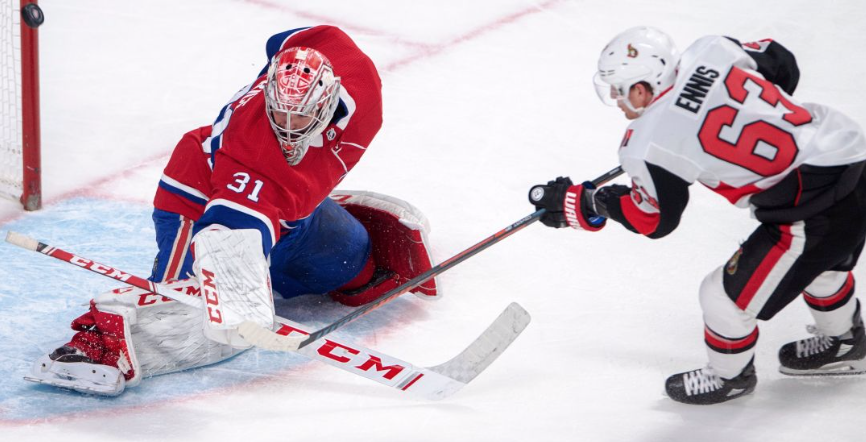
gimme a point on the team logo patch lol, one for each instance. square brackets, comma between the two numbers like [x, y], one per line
[632, 52]
[331, 134]
[734, 262]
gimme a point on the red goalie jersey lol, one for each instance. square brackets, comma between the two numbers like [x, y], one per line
[233, 172]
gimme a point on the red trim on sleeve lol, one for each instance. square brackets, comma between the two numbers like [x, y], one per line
[645, 223]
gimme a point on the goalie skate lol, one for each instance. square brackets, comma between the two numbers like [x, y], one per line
[67, 368]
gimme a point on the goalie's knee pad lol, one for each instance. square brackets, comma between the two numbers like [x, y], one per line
[129, 334]
[398, 232]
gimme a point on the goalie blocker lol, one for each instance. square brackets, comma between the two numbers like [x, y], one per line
[130, 333]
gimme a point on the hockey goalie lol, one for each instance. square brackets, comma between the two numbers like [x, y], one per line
[246, 209]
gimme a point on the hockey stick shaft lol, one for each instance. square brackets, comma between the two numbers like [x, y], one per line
[102, 269]
[442, 267]
[609, 175]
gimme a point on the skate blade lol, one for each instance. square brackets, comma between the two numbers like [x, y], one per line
[843, 368]
[70, 384]
[77, 376]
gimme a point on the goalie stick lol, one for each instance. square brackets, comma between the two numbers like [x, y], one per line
[262, 337]
[433, 383]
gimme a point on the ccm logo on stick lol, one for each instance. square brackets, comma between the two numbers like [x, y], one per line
[99, 268]
[352, 357]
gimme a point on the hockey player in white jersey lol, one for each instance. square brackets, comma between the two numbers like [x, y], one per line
[723, 115]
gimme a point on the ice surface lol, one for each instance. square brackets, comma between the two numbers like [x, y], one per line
[482, 100]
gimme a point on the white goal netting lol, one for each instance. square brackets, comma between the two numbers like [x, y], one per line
[11, 162]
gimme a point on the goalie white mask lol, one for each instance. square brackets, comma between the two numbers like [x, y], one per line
[638, 54]
[301, 96]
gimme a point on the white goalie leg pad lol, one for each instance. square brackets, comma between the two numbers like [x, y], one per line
[829, 289]
[235, 283]
[168, 336]
[160, 335]
[163, 336]
[727, 325]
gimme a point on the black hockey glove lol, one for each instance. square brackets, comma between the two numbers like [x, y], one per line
[550, 197]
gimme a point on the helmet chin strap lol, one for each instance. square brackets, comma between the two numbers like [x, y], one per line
[638, 111]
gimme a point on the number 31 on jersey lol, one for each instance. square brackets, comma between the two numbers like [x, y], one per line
[240, 185]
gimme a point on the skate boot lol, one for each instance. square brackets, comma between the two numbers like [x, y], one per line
[70, 368]
[704, 387]
[826, 355]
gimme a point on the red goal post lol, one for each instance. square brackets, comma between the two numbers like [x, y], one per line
[20, 158]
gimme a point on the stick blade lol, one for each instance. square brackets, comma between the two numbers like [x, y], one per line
[21, 240]
[487, 347]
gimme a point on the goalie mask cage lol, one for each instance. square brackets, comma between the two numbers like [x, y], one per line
[19, 102]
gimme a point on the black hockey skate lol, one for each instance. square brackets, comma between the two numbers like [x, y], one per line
[704, 387]
[826, 355]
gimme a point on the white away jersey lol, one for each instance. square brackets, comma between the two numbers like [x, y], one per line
[724, 125]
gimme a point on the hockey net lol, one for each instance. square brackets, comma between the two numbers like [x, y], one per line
[19, 109]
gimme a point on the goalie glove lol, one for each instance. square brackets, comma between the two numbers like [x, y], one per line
[235, 283]
[567, 205]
